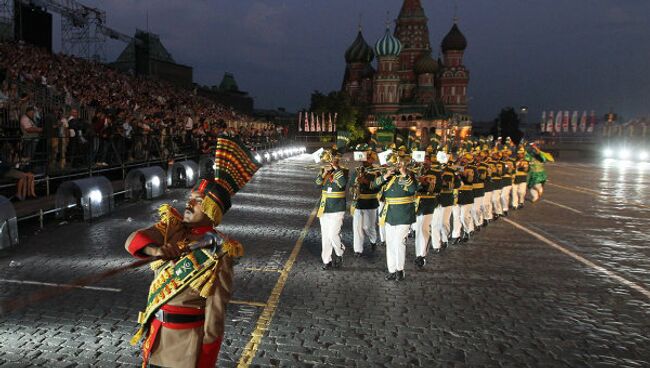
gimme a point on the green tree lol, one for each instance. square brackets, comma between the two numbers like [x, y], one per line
[507, 125]
[349, 116]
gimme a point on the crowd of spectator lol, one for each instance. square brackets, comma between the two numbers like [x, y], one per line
[79, 113]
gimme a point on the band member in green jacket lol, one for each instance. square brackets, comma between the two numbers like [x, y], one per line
[466, 195]
[332, 179]
[522, 167]
[506, 179]
[398, 187]
[364, 202]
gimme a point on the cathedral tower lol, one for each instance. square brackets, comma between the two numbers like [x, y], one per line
[386, 81]
[454, 77]
[413, 33]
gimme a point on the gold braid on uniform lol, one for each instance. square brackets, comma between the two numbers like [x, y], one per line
[170, 218]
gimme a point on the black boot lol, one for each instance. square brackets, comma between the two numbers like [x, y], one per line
[337, 261]
[358, 254]
[445, 245]
[327, 266]
[400, 276]
[455, 241]
[420, 262]
[390, 276]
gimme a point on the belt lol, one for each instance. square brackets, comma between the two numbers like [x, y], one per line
[400, 200]
[327, 194]
[167, 317]
[478, 186]
[426, 196]
[323, 200]
[368, 196]
[393, 201]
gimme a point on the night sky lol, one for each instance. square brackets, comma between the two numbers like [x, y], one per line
[570, 54]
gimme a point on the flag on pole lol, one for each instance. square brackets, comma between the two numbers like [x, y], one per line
[336, 114]
[322, 122]
[318, 127]
[592, 122]
[583, 122]
[306, 121]
[542, 126]
[313, 122]
[574, 122]
[300, 121]
[549, 122]
[329, 125]
[558, 122]
[565, 122]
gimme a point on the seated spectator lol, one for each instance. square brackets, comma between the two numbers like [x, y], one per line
[30, 132]
[25, 180]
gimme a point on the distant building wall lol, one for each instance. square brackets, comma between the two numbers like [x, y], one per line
[239, 101]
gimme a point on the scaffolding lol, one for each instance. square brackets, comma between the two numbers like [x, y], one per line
[6, 20]
[81, 30]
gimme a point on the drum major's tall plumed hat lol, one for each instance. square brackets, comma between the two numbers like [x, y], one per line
[234, 167]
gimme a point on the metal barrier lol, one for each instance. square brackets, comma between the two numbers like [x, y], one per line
[206, 167]
[93, 196]
[8, 224]
[146, 182]
[183, 174]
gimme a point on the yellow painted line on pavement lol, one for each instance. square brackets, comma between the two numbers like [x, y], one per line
[601, 269]
[562, 206]
[245, 302]
[593, 192]
[264, 321]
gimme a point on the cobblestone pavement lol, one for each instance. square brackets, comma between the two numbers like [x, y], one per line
[563, 282]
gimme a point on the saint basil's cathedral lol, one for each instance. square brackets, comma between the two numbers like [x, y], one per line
[409, 86]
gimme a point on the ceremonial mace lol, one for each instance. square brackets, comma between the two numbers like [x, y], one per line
[209, 240]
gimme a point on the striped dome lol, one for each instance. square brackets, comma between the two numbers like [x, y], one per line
[388, 45]
[359, 51]
[426, 65]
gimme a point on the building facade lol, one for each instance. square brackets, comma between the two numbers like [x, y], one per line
[418, 92]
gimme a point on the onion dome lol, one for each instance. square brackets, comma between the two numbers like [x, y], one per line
[426, 65]
[388, 45]
[368, 72]
[454, 40]
[359, 51]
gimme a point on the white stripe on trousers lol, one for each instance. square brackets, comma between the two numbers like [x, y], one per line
[364, 223]
[330, 228]
[396, 246]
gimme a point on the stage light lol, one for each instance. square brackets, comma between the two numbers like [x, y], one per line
[258, 158]
[608, 152]
[624, 154]
[95, 196]
[155, 181]
[190, 173]
[643, 155]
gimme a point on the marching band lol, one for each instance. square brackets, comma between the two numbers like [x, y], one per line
[441, 196]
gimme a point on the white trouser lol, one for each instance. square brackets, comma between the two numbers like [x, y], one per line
[518, 194]
[396, 246]
[477, 212]
[505, 197]
[436, 229]
[423, 233]
[445, 230]
[496, 202]
[487, 205]
[330, 228]
[466, 217]
[382, 229]
[458, 225]
[536, 192]
[364, 223]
